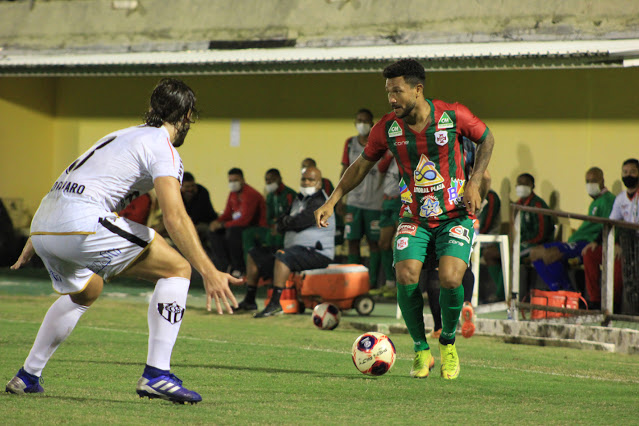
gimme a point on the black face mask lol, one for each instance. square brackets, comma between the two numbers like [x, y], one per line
[630, 181]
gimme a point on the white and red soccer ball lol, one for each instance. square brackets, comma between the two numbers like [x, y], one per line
[373, 353]
[326, 316]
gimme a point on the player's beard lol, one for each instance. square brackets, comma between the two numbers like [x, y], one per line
[181, 134]
[407, 110]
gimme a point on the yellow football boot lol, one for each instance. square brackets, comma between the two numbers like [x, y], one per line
[450, 361]
[422, 364]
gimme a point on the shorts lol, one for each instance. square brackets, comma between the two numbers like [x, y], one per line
[452, 238]
[300, 258]
[73, 259]
[359, 222]
[264, 258]
[569, 250]
[390, 212]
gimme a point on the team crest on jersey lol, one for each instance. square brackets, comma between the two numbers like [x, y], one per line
[430, 207]
[427, 176]
[172, 312]
[405, 196]
[445, 122]
[456, 191]
[394, 130]
[441, 137]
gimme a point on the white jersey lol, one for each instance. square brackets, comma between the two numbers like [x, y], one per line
[114, 171]
[368, 194]
[626, 209]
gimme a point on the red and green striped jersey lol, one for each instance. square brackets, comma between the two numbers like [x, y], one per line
[431, 162]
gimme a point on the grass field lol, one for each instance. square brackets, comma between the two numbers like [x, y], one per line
[284, 371]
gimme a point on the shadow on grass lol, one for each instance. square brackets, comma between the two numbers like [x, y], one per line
[321, 374]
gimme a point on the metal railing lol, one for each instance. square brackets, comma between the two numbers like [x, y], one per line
[608, 255]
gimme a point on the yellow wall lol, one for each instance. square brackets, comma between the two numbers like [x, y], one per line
[553, 124]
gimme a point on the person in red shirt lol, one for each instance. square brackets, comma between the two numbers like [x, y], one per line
[245, 208]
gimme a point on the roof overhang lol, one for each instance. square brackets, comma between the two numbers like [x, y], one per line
[435, 57]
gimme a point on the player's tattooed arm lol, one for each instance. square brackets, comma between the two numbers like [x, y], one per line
[472, 199]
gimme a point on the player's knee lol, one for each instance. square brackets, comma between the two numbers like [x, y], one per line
[407, 276]
[181, 268]
[450, 278]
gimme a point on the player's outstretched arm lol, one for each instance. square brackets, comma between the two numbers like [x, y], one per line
[472, 198]
[352, 177]
[25, 256]
[183, 233]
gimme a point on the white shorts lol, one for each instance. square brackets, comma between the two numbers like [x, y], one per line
[73, 259]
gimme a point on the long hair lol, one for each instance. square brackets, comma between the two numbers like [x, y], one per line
[170, 102]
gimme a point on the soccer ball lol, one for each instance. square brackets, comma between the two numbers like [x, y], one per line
[373, 353]
[326, 316]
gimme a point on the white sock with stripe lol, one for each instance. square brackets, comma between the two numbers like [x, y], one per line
[58, 323]
[166, 310]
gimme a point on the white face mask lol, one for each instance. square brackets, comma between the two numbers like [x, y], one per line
[523, 191]
[235, 186]
[363, 128]
[592, 188]
[308, 191]
[271, 187]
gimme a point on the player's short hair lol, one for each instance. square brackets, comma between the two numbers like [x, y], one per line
[310, 160]
[412, 71]
[633, 161]
[273, 172]
[188, 177]
[170, 102]
[529, 177]
[366, 111]
[236, 171]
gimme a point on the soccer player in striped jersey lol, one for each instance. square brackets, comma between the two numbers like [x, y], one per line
[439, 200]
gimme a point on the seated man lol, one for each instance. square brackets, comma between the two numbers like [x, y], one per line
[626, 208]
[305, 246]
[245, 208]
[197, 202]
[279, 199]
[550, 259]
[536, 228]
[489, 218]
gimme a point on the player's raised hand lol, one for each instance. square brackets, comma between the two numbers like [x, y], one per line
[472, 199]
[322, 214]
[217, 287]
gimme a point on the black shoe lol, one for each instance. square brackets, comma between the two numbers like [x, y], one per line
[245, 306]
[269, 311]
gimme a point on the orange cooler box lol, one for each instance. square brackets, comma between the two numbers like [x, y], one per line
[337, 284]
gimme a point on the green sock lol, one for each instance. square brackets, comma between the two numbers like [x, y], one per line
[373, 268]
[498, 278]
[451, 302]
[354, 258]
[387, 264]
[411, 302]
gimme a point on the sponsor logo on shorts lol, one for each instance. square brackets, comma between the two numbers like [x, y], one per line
[348, 217]
[402, 243]
[407, 228]
[374, 225]
[460, 232]
[455, 242]
[441, 137]
[107, 257]
[172, 312]
[54, 276]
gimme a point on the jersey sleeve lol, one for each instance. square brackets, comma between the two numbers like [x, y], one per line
[377, 144]
[345, 160]
[163, 159]
[469, 125]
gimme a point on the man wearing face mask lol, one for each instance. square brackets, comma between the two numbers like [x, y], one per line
[279, 198]
[626, 208]
[305, 246]
[536, 228]
[245, 208]
[550, 260]
[364, 203]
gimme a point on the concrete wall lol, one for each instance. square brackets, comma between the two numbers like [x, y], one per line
[179, 24]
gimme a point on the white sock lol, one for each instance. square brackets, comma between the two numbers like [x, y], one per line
[58, 323]
[166, 310]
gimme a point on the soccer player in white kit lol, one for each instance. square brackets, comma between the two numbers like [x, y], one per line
[82, 242]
